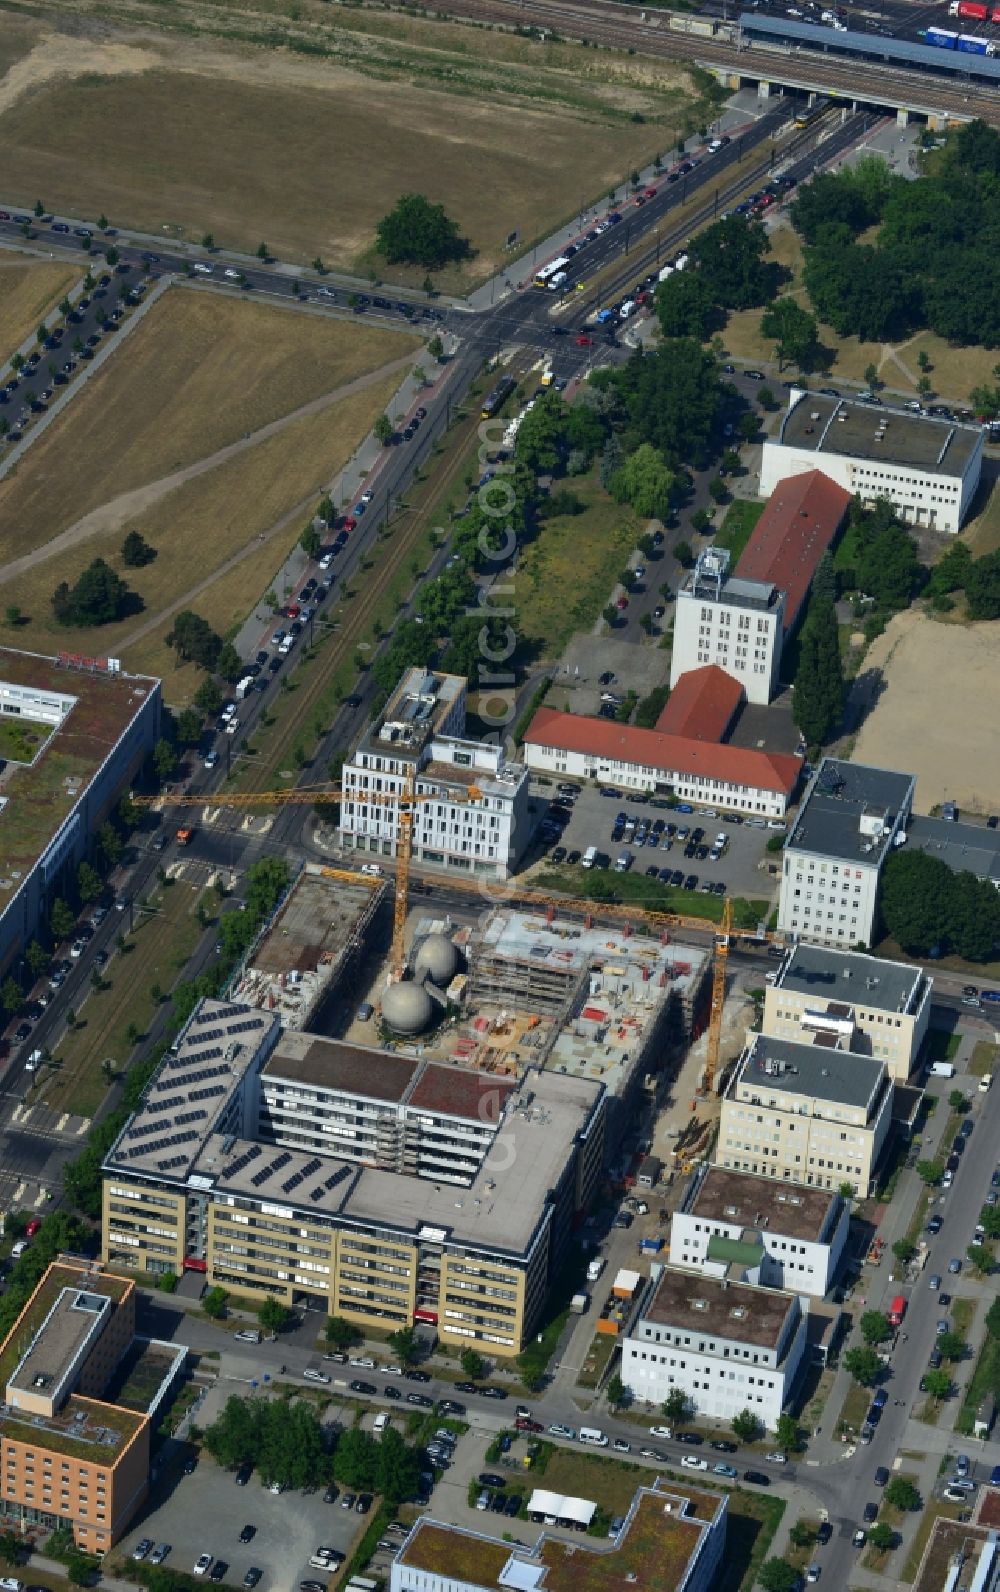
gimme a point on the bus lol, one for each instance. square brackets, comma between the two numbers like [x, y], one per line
[811, 113]
[498, 397]
[544, 277]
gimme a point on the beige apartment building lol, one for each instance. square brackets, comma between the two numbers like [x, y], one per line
[69, 1457]
[390, 1189]
[870, 1007]
[806, 1113]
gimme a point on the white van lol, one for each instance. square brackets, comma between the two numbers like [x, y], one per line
[594, 1436]
[382, 1420]
[589, 857]
[942, 1069]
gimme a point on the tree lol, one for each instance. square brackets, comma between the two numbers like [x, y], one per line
[416, 232]
[788, 1434]
[37, 958]
[208, 241]
[136, 551]
[88, 882]
[672, 398]
[41, 334]
[818, 705]
[214, 1303]
[10, 1546]
[13, 616]
[383, 429]
[397, 1468]
[644, 481]
[356, 1459]
[62, 919]
[747, 426]
[730, 260]
[717, 490]
[685, 306]
[683, 555]
[951, 1346]
[404, 1345]
[802, 1534]
[263, 252]
[902, 1494]
[863, 1365]
[938, 1384]
[310, 541]
[982, 1258]
[111, 255]
[746, 1426]
[98, 598]
[610, 615]
[904, 1251]
[992, 1319]
[881, 1535]
[11, 995]
[793, 331]
[229, 663]
[930, 1172]
[473, 1364]
[777, 1575]
[435, 348]
[617, 1392]
[876, 1327]
[957, 1101]
[677, 1405]
[272, 1314]
[194, 640]
[340, 1334]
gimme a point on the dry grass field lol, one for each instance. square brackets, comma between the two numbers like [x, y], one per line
[29, 292]
[306, 147]
[198, 374]
[942, 692]
[221, 522]
[953, 371]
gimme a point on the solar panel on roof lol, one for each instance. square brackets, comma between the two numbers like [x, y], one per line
[209, 1093]
[191, 1116]
[338, 1177]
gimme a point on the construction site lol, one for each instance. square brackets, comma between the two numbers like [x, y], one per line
[309, 955]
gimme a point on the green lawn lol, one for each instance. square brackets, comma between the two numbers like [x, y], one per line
[567, 572]
[984, 1058]
[985, 1379]
[22, 739]
[736, 528]
[161, 944]
[601, 885]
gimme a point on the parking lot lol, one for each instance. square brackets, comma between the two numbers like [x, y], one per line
[206, 1511]
[743, 868]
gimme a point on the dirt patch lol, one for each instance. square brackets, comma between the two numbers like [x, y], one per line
[940, 698]
[307, 147]
[199, 373]
[29, 292]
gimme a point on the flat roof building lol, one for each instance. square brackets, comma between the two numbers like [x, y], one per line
[728, 1346]
[391, 1188]
[672, 1536]
[74, 733]
[738, 778]
[927, 468]
[71, 1456]
[806, 1113]
[785, 1235]
[472, 812]
[849, 819]
[874, 1007]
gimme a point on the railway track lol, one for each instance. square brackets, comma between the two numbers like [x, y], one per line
[620, 27]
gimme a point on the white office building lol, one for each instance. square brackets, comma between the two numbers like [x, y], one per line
[872, 1007]
[783, 1235]
[736, 624]
[729, 1346]
[471, 812]
[928, 468]
[850, 818]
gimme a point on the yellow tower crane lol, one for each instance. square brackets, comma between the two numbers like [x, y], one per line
[718, 995]
[406, 801]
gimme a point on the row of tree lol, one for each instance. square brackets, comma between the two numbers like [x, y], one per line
[287, 1443]
[924, 905]
[934, 261]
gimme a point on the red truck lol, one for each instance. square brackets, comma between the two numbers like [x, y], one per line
[897, 1310]
[970, 10]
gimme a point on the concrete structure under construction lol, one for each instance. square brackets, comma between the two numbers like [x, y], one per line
[611, 1003]
[308, 956]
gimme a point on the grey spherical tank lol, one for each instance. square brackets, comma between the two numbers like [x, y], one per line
[407, 1008]
[436, 959]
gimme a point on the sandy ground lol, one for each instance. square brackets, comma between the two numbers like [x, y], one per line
[937, 694]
